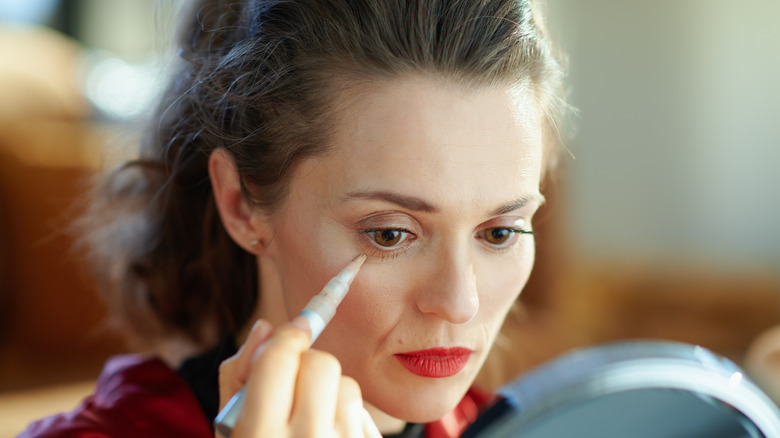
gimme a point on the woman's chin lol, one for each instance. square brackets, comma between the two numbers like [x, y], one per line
[421, 407]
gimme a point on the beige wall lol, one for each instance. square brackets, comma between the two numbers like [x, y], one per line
[679, 130]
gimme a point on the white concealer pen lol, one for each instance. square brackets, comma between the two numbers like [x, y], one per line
[318, 311]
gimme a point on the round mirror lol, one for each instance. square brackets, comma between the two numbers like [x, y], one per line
[635, 389]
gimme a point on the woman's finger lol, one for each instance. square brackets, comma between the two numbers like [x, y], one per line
[370, 430]
[234, 371]
[268, 401]
[349, 410]
[316, 395]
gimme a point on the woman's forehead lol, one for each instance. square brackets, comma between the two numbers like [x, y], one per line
[418, 138]
[421, 105]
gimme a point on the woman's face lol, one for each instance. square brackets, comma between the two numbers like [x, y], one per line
[437, 186]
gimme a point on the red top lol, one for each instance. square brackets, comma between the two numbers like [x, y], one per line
[138, 396]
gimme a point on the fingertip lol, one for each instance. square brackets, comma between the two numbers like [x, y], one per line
[370, 428]
[260, 329]
[301, 323]
[258, 336]
[350, 387]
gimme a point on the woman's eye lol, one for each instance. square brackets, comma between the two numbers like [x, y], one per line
[499, 236]
[387, 238]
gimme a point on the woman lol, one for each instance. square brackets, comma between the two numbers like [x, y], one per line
[296, 135]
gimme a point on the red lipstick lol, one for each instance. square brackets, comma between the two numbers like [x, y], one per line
[435, 362]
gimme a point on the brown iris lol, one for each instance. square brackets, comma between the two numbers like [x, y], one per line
[387, 238]
[497, 236]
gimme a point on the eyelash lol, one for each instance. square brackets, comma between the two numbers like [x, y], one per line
[391, 252]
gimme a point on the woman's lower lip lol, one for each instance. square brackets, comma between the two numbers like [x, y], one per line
[435, 362]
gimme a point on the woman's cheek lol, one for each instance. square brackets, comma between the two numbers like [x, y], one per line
[500, 284]
[373, 301]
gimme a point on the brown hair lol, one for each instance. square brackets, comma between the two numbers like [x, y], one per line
[253, 78]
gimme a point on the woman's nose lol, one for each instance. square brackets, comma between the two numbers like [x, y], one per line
[450, 291]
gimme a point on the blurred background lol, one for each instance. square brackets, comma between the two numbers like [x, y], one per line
[664, 222]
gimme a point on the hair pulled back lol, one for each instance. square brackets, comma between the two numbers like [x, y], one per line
[254, 78]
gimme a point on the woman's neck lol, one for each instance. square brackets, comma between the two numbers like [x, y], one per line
[269, 281]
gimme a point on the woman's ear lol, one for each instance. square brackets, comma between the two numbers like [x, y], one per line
[242, 223]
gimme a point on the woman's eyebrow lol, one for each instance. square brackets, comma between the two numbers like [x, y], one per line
[417, 204]
[407, 202]
[536, 198]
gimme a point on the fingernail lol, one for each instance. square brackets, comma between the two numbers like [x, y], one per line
[260, 328]
[302, 323]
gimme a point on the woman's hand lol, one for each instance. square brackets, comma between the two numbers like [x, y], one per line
[292, 391]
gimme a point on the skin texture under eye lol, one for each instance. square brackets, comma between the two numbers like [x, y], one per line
[447, 165]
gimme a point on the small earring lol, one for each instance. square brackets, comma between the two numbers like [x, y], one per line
[254, 244]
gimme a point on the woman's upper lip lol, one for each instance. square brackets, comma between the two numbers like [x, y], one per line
[438, 352]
